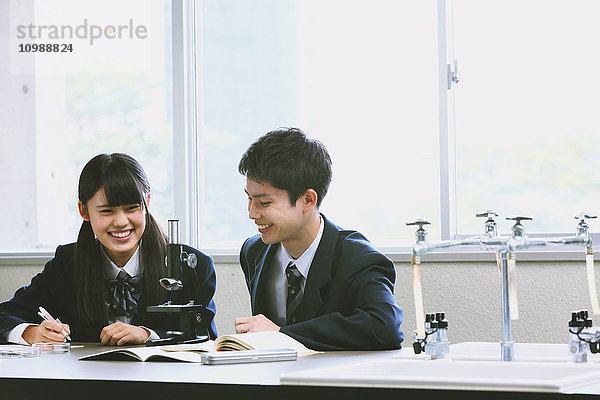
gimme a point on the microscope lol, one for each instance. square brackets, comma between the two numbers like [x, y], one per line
[182, 292]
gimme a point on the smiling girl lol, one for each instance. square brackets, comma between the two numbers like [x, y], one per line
[101, 284]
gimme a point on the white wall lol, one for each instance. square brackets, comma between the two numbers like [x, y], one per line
[469, 293]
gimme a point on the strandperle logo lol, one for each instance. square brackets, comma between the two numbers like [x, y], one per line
[83, 31]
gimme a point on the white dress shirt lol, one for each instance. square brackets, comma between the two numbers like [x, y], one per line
[277, 282]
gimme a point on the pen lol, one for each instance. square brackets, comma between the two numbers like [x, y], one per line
[46, 315]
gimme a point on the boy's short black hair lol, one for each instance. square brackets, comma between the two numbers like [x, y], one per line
[288, 160]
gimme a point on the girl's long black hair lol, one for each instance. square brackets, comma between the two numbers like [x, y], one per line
[124, 182]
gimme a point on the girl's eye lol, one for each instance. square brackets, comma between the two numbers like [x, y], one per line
[133, 207]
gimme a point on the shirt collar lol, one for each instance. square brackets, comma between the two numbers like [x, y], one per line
[305, 260]
[110, 269]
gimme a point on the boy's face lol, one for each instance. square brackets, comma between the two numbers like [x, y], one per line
[276, 219]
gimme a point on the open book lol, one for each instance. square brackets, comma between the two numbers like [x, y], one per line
[193, 352]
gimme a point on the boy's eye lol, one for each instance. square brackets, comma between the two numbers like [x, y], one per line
[106, 211]
[265, 204]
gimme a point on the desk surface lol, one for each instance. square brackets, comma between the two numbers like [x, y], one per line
[63, 376]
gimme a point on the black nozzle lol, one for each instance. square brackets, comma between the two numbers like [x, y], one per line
[417, 347]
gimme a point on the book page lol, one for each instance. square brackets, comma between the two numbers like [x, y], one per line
[260, 341]
[133, 354]
[146, 354]
[203, 347]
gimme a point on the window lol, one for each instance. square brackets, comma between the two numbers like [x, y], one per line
[362, 77]
[359, 76]
[527, 136]
[106, 95]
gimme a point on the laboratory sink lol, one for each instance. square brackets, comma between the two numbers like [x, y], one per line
[451, 374]
[523, 352]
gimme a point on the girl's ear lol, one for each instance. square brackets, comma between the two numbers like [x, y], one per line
[83, 211]
[148, 200]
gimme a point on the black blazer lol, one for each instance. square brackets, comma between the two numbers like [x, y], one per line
[348, 301]
[53, 289]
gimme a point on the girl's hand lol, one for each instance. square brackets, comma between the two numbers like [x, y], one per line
[120, 333]
[47, 331]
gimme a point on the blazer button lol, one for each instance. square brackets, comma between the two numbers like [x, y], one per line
[294, 319]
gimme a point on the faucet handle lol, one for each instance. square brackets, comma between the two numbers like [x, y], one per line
[420, 222]
[584, 216]
[519, 218]
[489, 214]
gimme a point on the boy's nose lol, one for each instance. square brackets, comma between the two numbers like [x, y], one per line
[252, 212]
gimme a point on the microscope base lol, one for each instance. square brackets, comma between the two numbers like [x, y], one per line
[189, 324]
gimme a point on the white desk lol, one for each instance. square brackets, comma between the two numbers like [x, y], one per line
[64, 377]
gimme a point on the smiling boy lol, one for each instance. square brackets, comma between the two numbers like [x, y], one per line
[326, 287]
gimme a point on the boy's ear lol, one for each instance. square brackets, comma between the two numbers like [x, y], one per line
[83, 211]
[309, 200]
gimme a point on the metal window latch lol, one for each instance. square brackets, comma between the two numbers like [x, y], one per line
[452, 74]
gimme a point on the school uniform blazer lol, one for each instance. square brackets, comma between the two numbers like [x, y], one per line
[348, 301]
[53, 288]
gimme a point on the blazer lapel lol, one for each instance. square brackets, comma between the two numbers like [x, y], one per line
[319, 274]
[262, 262]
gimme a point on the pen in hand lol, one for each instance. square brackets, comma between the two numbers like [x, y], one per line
[46, 316]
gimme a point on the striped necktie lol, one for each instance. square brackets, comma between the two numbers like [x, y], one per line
[123, 294]
[294, 292]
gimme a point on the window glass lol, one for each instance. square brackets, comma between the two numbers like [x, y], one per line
[109, 94]
[359, 76]
[526, 111]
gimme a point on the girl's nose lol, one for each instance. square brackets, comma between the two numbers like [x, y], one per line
[120, 219]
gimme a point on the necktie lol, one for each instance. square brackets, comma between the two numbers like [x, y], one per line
[123, 294]
[294, 292]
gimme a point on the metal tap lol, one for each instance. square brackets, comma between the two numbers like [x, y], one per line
[423, 245]
[420, 235]
[583, 228]
[506, 248]
[491, 228]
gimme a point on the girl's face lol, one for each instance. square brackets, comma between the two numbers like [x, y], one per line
[119, 229]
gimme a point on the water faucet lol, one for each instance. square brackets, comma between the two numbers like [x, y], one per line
[583, 228]
[420, 235]
[517, 228]
[505, 248]
[491, 228]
